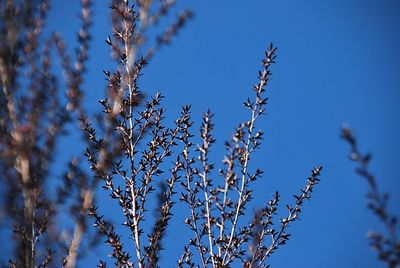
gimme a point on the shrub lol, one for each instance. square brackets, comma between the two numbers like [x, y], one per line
[127, 148]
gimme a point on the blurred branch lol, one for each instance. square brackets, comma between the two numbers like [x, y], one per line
[387, 246]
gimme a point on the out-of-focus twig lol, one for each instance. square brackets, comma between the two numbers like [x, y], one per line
[387, 245]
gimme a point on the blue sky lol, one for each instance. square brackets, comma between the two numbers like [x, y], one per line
[337, 63]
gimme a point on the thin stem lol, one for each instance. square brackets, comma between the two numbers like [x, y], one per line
[191, 195]
[207, 141]
[208, 213]
[129, 61]
[256, 110]
[243, 183]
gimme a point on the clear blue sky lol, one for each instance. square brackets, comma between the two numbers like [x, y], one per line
[338, 61]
